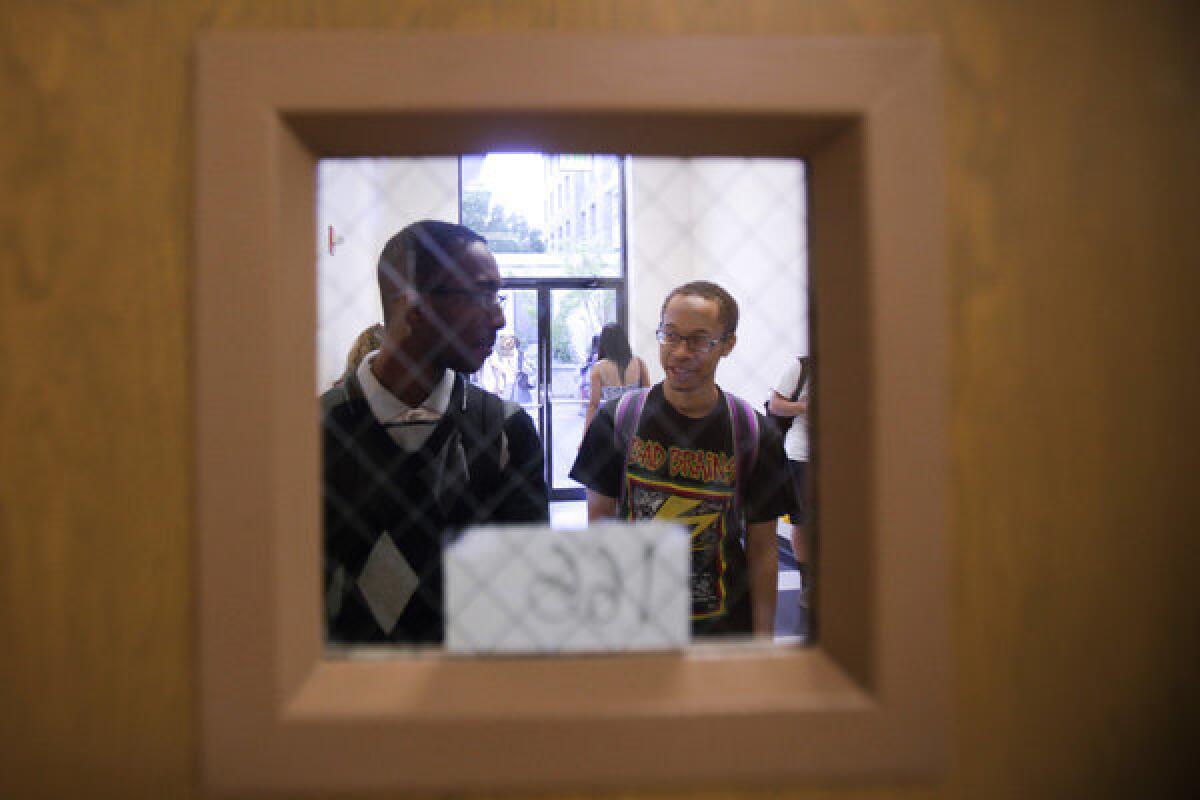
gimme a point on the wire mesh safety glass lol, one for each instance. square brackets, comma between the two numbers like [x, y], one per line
[585, 248]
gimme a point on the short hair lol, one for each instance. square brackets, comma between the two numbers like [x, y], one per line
[727, 307]
[415, 256]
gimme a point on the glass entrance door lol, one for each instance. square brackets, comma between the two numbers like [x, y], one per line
[513, 370]
[543, 359]
[576, 316]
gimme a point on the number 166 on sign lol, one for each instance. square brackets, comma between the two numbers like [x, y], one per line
[528, 589]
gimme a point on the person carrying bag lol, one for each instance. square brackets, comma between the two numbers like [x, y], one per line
[784, 423]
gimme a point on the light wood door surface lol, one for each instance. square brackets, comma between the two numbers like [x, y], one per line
[1072, 167]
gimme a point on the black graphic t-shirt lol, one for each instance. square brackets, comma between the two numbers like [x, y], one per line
[683, 470]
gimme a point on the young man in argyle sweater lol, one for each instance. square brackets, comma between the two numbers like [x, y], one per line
[413, 453]
[686, 451]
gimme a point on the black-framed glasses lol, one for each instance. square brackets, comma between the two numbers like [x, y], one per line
[486, 298]
[696, 343]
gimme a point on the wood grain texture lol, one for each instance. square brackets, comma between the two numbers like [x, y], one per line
[1072, 163]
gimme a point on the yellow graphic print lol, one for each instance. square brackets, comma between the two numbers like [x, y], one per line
[676, 507]
[703, 512]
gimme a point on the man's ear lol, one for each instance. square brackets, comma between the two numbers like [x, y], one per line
[727, 345]
[400, 318]
[414, 317]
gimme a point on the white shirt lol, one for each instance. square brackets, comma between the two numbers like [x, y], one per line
[409, 427]
[795, 444]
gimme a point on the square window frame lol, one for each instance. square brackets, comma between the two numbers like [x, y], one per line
[869, 700]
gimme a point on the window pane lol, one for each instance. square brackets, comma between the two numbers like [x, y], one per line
[539, 212]
[550, 218]
[577, 315]
[511, 371]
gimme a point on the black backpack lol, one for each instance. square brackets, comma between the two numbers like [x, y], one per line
[784, 424]
[482, 425]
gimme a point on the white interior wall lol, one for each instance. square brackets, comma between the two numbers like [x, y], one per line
[659, 235]
[737, 222]
[740, 223]
[367, 201]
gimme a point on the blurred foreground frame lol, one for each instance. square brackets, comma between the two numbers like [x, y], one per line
[870, 700]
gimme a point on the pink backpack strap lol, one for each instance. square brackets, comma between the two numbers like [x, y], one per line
[743, 420]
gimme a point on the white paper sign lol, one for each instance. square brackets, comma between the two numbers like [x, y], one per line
[612, 587]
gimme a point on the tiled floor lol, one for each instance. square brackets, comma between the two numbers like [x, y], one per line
[791, 622]
[790, 625]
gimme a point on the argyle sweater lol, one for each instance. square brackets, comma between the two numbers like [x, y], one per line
[388, 514]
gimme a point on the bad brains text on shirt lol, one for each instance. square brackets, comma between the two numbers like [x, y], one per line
[697, 465]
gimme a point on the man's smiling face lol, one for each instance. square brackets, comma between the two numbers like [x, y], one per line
[696, 318]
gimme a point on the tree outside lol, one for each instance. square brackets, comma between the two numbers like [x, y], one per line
[506, 231]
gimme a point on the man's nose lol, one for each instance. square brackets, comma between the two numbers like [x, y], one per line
[497, 317]
[680, 349]
[681, 358]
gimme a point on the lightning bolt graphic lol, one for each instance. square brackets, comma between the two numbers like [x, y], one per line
[675, 509]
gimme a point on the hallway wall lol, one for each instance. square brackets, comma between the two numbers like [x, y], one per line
[740, 222]
[1071, 162]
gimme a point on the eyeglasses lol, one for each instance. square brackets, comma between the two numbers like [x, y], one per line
[483, 298]
[697, 342]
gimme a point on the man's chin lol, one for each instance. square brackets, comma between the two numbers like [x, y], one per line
[466, 367]
[470, 366]
[681, 381]
[469, 360]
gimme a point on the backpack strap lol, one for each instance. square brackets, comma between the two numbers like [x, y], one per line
[744, 422]
[344, 393]
[626, 414]
[802, 381]
[484, 443]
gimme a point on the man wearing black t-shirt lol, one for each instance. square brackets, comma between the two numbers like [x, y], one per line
[688, 452]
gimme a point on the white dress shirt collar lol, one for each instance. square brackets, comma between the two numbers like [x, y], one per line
[408, 426]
